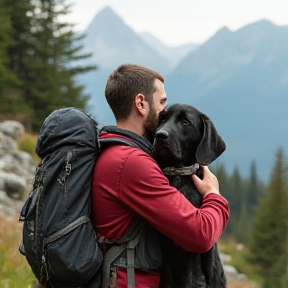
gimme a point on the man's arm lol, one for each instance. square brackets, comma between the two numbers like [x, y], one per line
[145, 190]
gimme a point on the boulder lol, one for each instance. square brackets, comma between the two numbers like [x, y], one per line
[12, 184]
[232, 272]
[7, 143]
[17, 168]
[12, 129]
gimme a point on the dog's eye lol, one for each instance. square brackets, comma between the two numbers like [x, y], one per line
[185, 122]
[161, 118]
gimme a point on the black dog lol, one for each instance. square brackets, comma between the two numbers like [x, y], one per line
[185, 137]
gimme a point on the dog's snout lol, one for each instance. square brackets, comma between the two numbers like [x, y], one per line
[163, 134]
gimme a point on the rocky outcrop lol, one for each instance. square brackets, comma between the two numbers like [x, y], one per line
[16, 168]
[230, 271]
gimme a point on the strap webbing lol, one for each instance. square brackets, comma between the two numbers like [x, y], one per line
[115, 251]
[115, 140]
[111, 255]
[81, 220]
[131, 261]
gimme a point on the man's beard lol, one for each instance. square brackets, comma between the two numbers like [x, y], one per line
[151, 124]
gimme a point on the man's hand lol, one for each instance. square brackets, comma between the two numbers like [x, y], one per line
[208, 185]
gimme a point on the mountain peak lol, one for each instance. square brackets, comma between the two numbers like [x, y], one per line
[262, 23]
[106, 12]
[104, 17]
[259, 26]
[223, 31]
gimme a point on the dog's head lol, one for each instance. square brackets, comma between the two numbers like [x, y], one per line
[186, 136]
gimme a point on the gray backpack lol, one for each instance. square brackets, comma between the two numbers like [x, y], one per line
[59, 241]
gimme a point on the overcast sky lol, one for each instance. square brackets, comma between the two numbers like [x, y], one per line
[176, 22]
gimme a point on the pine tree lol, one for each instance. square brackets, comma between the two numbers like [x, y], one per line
[225, 190]
[278, 275]
[5, 41]
[239, 206]
[222, 176]
[43, 56]
[53, 83]
[255, 189]
[268, 239]
[14, 39]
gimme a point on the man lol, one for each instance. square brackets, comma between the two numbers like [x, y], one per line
[129, 185]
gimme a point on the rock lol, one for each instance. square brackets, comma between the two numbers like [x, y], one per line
[7, 143]
[232, 272]
[17, 168]
[18, 162]
[13, 185]
[16, 172]
[224, 257]
[9, 206]
[4, 198]
[12, 129]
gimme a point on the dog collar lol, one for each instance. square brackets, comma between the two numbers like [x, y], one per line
[189, 170]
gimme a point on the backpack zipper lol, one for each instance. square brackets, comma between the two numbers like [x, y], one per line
[39, 195]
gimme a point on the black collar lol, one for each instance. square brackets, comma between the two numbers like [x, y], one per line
[188, 170]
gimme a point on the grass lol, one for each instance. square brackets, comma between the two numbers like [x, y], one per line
[239, 260]
[242, 284]
[27, 143]
[14, 269]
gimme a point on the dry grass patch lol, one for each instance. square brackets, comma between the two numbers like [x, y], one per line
[242, 284]
[14, 269]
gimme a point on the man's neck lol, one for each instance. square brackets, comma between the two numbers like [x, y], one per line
[130, 125]
[142, 142]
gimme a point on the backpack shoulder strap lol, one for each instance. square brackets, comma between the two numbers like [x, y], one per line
[113, 253]
[116, 140]
[127, 242]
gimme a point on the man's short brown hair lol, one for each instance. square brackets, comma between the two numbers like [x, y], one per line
[125, 83]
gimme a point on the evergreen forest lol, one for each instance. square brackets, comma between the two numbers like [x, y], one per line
[259, 219]
[38, 61]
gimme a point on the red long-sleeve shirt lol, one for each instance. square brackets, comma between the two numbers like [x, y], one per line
[128, 182]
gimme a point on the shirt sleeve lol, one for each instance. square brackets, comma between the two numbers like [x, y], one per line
[144, 189]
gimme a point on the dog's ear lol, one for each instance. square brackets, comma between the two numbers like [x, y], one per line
[211, 145]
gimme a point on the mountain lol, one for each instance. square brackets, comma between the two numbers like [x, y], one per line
[240, 79]
[172, 54]
[112, 43]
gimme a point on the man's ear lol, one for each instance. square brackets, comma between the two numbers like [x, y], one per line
[140, 103]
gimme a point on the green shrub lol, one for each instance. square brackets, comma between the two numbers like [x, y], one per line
[27, 143]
